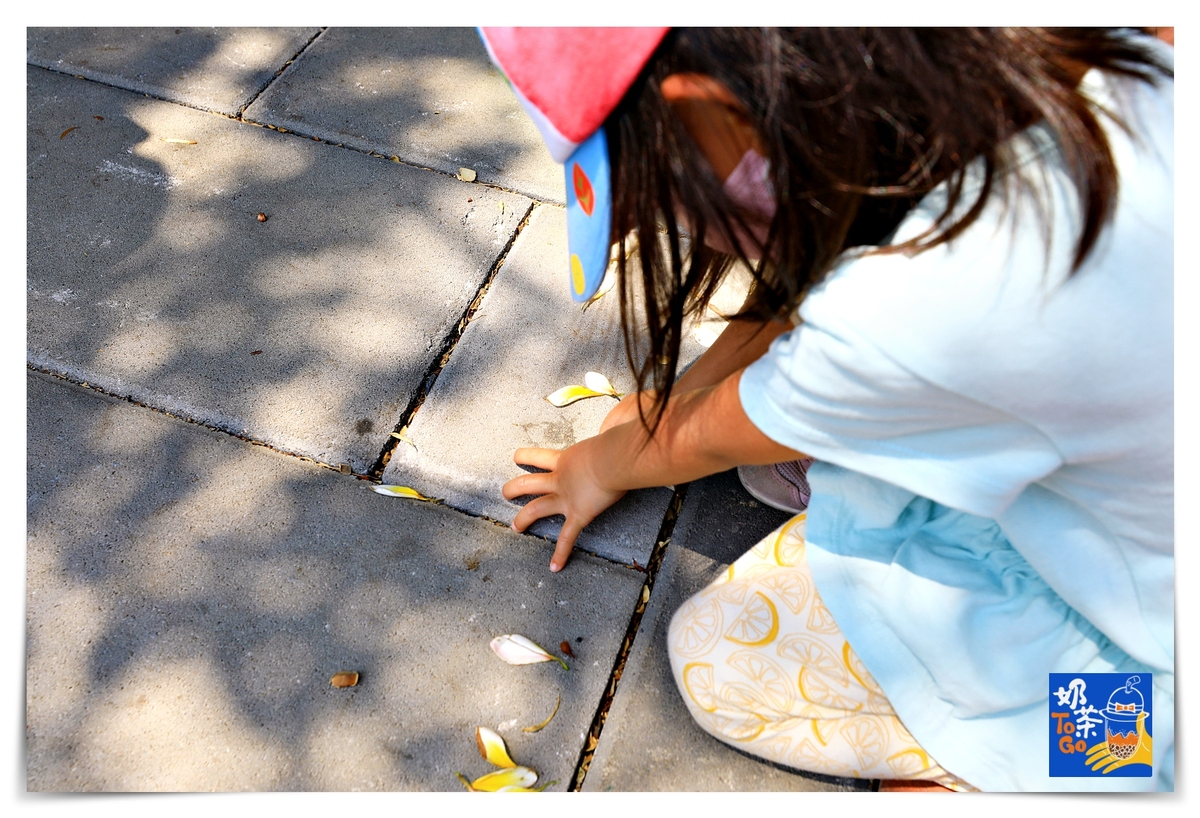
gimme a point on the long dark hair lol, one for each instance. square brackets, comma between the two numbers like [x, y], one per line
[858, 124]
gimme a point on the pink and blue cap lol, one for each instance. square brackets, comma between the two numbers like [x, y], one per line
[569, 80]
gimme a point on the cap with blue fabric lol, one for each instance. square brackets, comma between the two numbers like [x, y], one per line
[569, 80]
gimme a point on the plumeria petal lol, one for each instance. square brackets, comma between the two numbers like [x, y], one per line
[491, 746]
[598, 383]
[403, 491]
[515, 788]
[569, 394]
[511, 777]
[518, 650]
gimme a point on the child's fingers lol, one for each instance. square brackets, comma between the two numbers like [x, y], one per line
[545, 506]
[566, 544]
[540, 483]
[538, 458]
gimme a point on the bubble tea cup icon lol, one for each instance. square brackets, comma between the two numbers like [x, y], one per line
[1122, 717]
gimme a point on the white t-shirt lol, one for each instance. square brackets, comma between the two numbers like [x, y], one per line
[981, 376]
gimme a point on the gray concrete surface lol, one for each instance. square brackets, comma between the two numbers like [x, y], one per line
[215, 69]
[189, 593]
[721, 521]
[189, 597]
[150, 276]
[428, 95]
[650, 742]
[527, 340]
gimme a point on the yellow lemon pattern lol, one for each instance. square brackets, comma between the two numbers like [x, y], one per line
[699, 626]
[762, 664]
[792, 587]
[789, 542]
[698, 682]
[810, 652]
[757, 624]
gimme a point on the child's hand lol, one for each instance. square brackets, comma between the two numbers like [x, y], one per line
[569, 488]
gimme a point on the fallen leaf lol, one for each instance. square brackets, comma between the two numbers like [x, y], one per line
[645, 593]
[402, 436]
[511, 777]
[395, 159]
[100, 118]
[67, 131]
[536, 727]
[491, 747]
[403, 491]
[466, 174]
[177, 141]
[256, 352]
[518, 650]
[347, 678]
[262, 217]
[564, 648]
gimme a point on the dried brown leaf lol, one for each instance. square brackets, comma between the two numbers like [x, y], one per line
[67, 131]
[346, 678]
[536, 727]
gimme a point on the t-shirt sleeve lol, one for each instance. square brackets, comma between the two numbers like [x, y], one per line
[829, 392]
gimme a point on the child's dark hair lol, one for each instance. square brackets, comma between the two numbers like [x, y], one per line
[858, 124]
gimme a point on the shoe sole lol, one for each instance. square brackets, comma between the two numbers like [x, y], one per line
[768, 502]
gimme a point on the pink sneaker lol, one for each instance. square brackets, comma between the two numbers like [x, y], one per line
[780, 485]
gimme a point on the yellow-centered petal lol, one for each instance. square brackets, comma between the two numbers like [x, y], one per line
[491, 746]
[403, 491]
[527, 789]
[569, 394]
[511, 777]
[598, 383]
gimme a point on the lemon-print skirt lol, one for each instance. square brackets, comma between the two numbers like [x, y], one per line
[762, 666]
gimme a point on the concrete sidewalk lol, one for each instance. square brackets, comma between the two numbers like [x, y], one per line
[212, 394]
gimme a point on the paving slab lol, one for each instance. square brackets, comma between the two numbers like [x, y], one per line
[217, 69]
[149, 274]
[189, 597]
[649, 741]
[721, 521]
[527, 340]
[428, 95]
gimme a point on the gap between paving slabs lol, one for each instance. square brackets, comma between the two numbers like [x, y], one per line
[408, 415]
[635, 621]
[242, 111]
[297, 133]
[375, 473]
[41, 370]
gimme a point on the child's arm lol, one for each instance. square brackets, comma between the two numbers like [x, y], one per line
[740, 344]
[702, 432]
